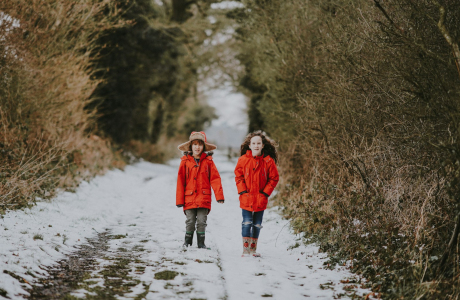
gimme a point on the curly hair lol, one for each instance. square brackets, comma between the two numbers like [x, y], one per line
[269, 145]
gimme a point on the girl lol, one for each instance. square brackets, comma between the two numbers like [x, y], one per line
[197, 174]
[256, 177]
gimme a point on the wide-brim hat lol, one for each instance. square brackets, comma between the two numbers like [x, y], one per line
[195, 135]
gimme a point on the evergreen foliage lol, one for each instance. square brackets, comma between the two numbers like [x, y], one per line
[148, 68]
[144, 82]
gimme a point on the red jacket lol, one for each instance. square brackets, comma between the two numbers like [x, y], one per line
[255, 175]
[194, 182]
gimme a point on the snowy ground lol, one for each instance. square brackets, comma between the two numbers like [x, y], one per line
[136, 209]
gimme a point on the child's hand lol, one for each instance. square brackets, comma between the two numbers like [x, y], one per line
[220, 201]
[180, 205]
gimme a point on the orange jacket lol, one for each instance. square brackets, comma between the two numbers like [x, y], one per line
[255, 175]
[194, 182]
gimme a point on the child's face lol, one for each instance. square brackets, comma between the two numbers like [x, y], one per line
[256, 145]
[197, 148]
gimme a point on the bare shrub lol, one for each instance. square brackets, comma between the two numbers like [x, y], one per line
[46, 137]
[363, 97]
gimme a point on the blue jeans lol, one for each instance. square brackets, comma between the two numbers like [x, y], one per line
[252, 223]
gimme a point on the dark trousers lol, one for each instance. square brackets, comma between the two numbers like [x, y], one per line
[252, 223]
[198, 216]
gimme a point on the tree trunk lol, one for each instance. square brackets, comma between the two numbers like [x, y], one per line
[179, 10]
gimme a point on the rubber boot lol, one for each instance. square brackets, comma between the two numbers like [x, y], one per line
[253, 247]
[246, 243]
[200, 237]
[188, 238]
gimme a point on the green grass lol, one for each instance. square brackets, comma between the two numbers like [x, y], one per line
[166, 275]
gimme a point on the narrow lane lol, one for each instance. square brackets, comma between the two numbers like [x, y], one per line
[120, 237]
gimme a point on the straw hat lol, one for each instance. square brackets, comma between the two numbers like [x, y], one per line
[195, 135]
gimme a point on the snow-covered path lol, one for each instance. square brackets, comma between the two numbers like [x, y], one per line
[135, 210]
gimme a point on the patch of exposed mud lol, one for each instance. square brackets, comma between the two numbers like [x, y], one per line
[68, 273]
[114, 266]
[84, 273]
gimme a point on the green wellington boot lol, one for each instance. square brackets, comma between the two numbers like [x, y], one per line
[188, 238]
[200, 237]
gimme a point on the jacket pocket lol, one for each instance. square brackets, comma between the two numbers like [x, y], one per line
[262, 201]
[244, 200]
[189, 197]
[206, 197]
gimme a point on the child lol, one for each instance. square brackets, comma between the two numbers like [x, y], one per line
[197, 174]
[256, 177]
